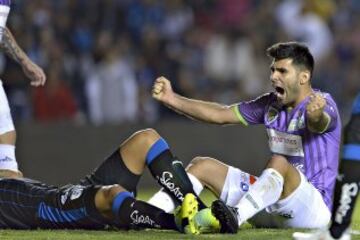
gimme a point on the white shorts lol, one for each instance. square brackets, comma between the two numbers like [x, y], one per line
[304, 208]
[6, 122]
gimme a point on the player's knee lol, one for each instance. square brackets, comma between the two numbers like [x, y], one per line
[279, 163]
[105, 196]
[146, 137]
[202, 167]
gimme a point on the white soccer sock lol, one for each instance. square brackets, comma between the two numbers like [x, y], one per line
[162, 199]
[4, 12]
[197, 185]
[7, 157]
[263, 193]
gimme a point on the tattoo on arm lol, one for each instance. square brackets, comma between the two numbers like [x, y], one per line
[11, 48]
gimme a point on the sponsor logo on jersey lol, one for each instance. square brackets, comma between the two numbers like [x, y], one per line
[166, 180]
[348, 191]
[285, 143]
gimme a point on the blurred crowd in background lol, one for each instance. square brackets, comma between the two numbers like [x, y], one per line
[102, 56]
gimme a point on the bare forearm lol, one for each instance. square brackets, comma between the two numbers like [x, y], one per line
[209, 112]
[11, 48]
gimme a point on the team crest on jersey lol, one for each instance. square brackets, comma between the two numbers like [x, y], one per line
[272, 115]
[297, 123]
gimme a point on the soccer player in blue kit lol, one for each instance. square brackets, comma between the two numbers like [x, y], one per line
[105, 197]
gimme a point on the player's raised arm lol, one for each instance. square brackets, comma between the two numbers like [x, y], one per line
[12, 49]
[318, 120]
[209, 112]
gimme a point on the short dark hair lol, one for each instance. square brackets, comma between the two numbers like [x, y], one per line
[298, 52]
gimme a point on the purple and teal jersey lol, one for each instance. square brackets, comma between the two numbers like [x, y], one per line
[315, 154]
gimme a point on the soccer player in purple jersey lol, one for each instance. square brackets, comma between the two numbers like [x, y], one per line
[347, 184]
[8, 163]
[303, 126]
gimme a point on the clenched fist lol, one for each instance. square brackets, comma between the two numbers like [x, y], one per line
[162, 90]
[34, 72]
[315, 107]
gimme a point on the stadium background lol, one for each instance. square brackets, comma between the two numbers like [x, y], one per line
[102, 56]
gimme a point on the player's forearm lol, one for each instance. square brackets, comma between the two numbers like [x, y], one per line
[200, 110]
[11, 48]
[320, 124]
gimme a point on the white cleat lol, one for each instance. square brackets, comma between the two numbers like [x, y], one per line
[320, 235]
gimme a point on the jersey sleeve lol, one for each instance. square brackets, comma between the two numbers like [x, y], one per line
[332, 111]
[252, 112]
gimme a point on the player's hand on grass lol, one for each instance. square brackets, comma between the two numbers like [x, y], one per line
[34, 73]
[315, 107]
[162, 90]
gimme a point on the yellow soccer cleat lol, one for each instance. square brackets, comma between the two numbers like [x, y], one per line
[184, 215]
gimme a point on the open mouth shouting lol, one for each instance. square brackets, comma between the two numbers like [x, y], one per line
[279, 92]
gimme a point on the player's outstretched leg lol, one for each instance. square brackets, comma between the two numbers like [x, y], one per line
[148, 148]
[119, 206]
[143, 149]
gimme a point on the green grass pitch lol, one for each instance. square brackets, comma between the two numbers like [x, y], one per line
[246, 233]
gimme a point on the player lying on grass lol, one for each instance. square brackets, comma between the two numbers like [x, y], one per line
[105, 197]
[303, 127]
[347, 184]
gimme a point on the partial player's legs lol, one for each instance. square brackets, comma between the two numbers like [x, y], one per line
[226, 182]
[202, 172]
[280, 183]
[143, 149]
[8, 163]
[284, 185]
[120, 207]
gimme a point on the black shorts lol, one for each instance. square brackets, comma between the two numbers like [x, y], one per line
[28, 204]
[113, 171]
